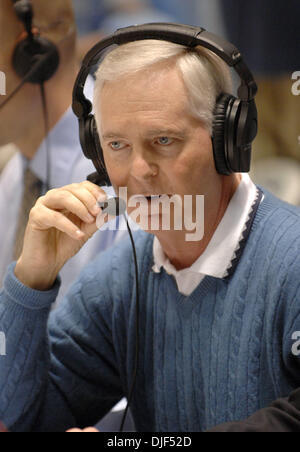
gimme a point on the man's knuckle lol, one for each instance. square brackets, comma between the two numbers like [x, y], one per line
[65, 195]
[40, 200]
[50, 192]
[75, 186]
[35, 214]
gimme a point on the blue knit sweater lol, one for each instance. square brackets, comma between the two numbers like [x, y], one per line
[217, 355]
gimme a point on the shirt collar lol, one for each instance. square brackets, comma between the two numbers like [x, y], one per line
[221, 250]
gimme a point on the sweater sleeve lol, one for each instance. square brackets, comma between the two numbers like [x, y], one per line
[60, 372]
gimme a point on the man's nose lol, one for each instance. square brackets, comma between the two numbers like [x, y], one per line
[142, 168]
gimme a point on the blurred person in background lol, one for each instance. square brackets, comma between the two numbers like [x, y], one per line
[267, 33]
[6, 153]
[22, 122]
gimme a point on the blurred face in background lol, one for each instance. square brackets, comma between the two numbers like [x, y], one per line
[22, 116]
[19, 112]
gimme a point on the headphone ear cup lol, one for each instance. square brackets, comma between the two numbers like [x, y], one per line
[219, 138]
[234, 129]
[247, 131]
[28, 53]
[241, 130]
[90, 143]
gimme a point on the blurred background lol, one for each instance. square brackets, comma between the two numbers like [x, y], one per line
[267, 34]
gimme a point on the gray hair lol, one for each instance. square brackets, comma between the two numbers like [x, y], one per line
[204, 74]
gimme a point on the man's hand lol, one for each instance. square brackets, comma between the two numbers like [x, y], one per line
[60, 223]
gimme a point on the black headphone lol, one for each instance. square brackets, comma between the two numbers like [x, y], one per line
[235, 118]
[33, 51]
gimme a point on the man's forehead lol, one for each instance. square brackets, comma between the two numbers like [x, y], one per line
[147, 83]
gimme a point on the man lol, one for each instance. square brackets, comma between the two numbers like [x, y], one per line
[22, 122]
[217, 316]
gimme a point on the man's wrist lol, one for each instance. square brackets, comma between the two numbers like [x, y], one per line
[29, 279]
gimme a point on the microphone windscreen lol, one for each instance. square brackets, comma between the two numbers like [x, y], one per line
[113, 206]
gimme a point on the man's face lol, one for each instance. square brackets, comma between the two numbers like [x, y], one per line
[151, 142]
[16, 116]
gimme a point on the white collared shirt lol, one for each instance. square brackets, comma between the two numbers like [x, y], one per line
[221, 249]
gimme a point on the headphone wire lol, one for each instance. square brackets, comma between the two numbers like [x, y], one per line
[129, 399]
[23, 81]
[46, 140]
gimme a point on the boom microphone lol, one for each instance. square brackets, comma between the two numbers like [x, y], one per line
[113, 206]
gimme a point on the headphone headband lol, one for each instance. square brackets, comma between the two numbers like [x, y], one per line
[179, 34]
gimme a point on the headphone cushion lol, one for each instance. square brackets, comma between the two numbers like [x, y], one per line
[90, 143]
[99, 162]
[218, 135]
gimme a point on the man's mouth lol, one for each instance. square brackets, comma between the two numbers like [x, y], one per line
[154, 197]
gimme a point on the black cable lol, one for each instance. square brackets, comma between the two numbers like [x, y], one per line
[36, 66]
[40, 61]
[17, 89]
[46, 140]
[136, 327]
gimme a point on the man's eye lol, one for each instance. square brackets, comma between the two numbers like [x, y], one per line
[116, 145]
[164, 141]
